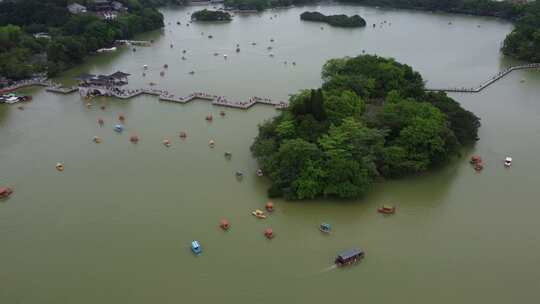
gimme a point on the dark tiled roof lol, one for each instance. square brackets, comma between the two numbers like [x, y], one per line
[350, 254]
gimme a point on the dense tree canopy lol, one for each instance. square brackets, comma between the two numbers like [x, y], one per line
[335, 20]
[262, 4]
[371, 119]
[73, 36]
[208, 15]
[524, 41]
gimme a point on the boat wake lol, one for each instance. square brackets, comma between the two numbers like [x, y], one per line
[327, 269]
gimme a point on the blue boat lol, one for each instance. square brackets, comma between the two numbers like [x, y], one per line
[119, 128]
[325, 227]
[196, 247]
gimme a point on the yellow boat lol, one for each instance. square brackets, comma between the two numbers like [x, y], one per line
[259, 214]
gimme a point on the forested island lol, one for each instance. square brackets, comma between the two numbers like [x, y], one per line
[334, 20]
[44, 36]
[371, 119]
[208, 15]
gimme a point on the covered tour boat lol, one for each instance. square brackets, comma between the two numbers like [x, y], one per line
[387, 209]
[196, 247]
[349, 257]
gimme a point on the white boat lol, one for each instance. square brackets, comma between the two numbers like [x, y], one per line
[11, 100]
[145, 67]
[106, 50]
[508, 162]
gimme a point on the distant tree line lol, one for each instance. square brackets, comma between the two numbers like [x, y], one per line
[208, 15]
[260, 5]
[371, 119]
[72, 36]
[335, 20]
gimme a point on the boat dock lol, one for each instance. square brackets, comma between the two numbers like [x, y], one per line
[490, 81]
[134, 42]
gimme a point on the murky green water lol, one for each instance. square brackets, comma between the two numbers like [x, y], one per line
[115, 226]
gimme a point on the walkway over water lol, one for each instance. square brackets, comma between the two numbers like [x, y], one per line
[162, 94]
[489, 82]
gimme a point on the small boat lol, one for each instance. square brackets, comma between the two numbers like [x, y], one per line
[222, 113]
[216, 54]
[191, 72]
[349, 257]
[387, 209]
[134, 49]
[293, 63]
[211, 143]
[167, 142]
[196, 247]
[269, 206]
[508, 162]
[102, 107]
[475, 159]
[224, 224]
[96, 139]
[239, 174]
[134, 139]
[184, 51]
[259, 214]
[271, 39]
[183, 58]
[209, 117]
[5, 192]
[143, 74]
[238, 50]
[100, 122]
[178, 22]
[145, 67]
[210, 36]
[259, 173]
[59, 167]
[121, 117]
[161, 73]
[152, 84]
[165, 66]
[269, 48]
[119, 128]
[269, 233]
[253, 43]
[182, 135]
[225, 56]
[325, 227]
[522, 80]
[172, 46]
[271, 55]
[228, 155]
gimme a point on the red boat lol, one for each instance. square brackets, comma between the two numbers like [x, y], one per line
[386, 209]
[269, 233]
[5, 192]
[224, 224]
[269, 206]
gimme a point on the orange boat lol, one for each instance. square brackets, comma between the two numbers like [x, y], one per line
[269, 206]
[386, 209]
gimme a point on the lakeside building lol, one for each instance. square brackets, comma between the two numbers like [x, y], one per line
[76, 8]
[102, 85]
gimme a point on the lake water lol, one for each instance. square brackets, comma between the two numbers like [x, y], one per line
[116, 225]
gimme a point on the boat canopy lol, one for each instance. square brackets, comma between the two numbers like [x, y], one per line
[346, 255]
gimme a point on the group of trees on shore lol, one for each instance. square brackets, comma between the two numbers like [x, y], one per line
[72, 36]
[334, 20]
[208, 15]
[260, 5]
[371, 119]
